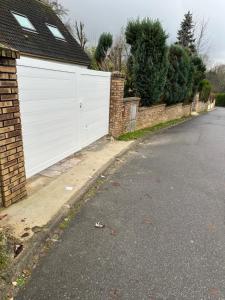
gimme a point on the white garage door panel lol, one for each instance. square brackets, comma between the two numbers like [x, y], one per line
[48, 111]
[63, 108]
[94, 95]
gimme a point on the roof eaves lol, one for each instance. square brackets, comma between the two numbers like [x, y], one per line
[55, 59]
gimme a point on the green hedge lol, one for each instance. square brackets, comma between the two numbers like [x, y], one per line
[220, 100]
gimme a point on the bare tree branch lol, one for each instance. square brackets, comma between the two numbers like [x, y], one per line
[58, 8]
[119, 53]
[80, 34]
[202, 40]
[78, 31]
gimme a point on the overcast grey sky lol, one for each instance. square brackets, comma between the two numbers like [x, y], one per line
[110, 15]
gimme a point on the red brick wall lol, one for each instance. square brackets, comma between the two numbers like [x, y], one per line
[153, 115]
[121, 110]
[174, 112]
[12, 171]
[150, 116]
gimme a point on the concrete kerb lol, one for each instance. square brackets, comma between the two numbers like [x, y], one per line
[36, 243]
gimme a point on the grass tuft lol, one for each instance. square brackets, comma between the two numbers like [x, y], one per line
[21, 281]
[4, 258]
[142, 132]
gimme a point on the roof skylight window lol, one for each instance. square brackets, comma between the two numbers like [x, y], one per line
[55, 31]
[24, 21]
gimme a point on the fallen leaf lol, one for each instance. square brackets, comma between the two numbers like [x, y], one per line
[214, 292]
[26, 272]
[3, 216]
[114, 183]
[114, 294]
[148, 221]
[113, 232]
[211, 227]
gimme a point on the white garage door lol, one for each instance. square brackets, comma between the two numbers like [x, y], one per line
[63, 109]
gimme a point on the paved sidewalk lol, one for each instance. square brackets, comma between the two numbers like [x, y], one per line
[50, 193]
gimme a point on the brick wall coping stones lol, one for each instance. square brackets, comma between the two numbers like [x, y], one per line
[118, 75]
[151, 107]
[8, 52]
[131, 99]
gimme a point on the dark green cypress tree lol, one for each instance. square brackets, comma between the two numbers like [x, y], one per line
[149, 59]
[179, 81]
[185, 35]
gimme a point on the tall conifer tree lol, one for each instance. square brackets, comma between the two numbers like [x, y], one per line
[185, 35]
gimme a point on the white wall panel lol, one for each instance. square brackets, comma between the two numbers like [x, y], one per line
[63, 109]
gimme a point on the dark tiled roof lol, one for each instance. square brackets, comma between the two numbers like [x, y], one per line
[43, 43]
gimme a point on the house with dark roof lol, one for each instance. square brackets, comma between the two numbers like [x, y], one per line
[32, 27]
[64, 105]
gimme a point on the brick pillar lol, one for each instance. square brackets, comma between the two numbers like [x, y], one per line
[12, 171]
[116, 104]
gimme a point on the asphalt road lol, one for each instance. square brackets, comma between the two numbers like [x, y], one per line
[164, 211]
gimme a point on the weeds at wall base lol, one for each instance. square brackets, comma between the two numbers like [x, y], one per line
[142, 132]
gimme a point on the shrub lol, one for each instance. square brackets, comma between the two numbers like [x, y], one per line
[180, 76]
[205, 89]
[91, 53]
[220, 99]
[104, 44]
[149, 59]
